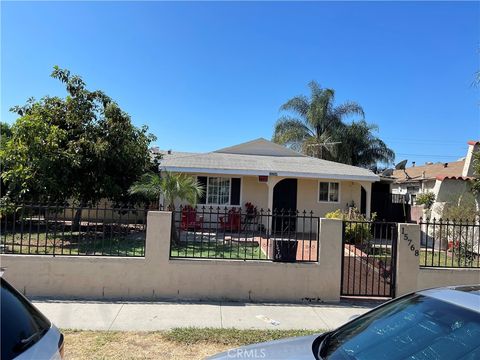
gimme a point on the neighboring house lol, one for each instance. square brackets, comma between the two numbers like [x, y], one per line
[448, 181]
[271, 176]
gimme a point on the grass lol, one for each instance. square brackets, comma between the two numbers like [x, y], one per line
[180, 343]
[439, 258]
[75, 243]
[217, 250]
[444, 259]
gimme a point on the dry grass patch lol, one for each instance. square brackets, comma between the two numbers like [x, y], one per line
[181, 343]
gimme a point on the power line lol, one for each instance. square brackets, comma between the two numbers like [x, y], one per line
[423, 141]
[431, 155]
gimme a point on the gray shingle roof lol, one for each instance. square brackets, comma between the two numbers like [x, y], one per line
[241, 164]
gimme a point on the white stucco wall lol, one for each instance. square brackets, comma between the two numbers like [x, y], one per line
[447, 191]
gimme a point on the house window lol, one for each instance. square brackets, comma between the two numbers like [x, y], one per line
[413, 189]
[328, 191]
[220, 190]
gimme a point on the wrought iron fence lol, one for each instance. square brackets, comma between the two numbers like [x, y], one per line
[399, 198]
[33, 229]
[368, 261]
[233, 233]
[449, 243]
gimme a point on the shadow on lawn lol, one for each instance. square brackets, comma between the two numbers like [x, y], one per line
[76, 243]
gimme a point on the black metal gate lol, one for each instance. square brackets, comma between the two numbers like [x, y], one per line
[368, 258]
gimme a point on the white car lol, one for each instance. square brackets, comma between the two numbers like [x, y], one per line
[25, 332]
[436, 324]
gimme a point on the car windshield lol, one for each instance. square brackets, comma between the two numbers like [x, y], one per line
[416, 327]
[22, 325]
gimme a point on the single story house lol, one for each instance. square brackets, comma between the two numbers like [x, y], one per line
[448, 181]
[271, 176]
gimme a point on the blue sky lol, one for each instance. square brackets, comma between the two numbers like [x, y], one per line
[212, 74]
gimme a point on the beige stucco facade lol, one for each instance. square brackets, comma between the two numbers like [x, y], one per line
[260, 194]
[448, 191]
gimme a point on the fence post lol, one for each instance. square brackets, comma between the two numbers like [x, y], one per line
[330, 254]
[157, 242]
[408, 255]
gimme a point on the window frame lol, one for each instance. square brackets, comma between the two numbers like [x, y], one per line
[328, 194]
[229, 192]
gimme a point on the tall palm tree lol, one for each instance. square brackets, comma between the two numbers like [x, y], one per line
[315, 122]
[360, 147]
[171, 186]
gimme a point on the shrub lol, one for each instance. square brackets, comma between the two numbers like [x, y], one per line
[356, 231]
[426, 199]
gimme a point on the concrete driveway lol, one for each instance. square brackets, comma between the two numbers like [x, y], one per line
[151, 316]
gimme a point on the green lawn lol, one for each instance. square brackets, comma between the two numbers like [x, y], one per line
[439, 258]
[217, 250]
[444, 259]
[75, 243]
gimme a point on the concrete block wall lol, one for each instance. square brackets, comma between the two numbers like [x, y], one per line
[411, 277]
[158, 277]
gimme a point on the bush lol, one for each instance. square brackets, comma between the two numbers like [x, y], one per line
[461, 208]
[356, 231]
[426, 199]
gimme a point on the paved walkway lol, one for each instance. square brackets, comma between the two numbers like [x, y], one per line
[150, 316]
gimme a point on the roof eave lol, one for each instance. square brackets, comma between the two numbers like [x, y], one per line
[366, 178]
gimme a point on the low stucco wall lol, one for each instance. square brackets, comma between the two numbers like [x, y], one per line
[434, 277]
[158, 277]
[411, 277]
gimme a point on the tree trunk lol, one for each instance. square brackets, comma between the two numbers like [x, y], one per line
[477, 209]
[175, 237]
[76, 224]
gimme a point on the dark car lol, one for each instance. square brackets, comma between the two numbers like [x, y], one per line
[440, 324]
[25, 332]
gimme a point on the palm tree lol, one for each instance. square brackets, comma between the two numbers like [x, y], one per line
[360, 147]
[172, 186]
[314, 127]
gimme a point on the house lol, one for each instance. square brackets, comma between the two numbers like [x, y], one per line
[271, 176]
[448, 181]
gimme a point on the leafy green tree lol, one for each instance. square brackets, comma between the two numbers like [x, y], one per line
[316, 127]
[171, 186]
[32, 152]
[5, 134]
[476, 172]
[81, 147]
[476, 184]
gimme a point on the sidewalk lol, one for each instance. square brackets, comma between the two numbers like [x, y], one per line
[151, 316]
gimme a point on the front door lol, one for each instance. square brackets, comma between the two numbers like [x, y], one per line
[363, 201]
[285, 204]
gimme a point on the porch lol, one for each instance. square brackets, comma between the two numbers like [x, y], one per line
[318, 195]
[245, 235]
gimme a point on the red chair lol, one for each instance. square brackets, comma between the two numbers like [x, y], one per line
[233, 221]
[190, 221]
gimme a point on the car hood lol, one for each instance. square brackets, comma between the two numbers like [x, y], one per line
[298, 348]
